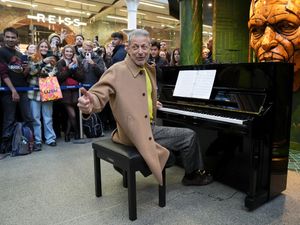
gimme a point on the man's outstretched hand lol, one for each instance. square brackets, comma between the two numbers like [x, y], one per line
[85, 102]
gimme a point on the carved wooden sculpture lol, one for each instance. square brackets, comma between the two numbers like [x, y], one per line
[275, 32]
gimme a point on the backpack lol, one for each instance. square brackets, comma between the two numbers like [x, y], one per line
[23, 140]
[92, 127]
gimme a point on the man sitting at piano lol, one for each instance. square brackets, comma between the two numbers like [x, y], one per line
[130, 88]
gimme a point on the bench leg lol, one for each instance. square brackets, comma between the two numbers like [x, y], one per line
[125, 184]
[131, 194]
[162, 191]
[97, 171]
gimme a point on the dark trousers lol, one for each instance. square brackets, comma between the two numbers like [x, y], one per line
[9, 112]
[182, 141]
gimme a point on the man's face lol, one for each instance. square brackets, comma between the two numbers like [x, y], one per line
[78, 41]
[154, 51]
[139, 50]
[116, 41]
[275, 31]
[163, 46]
[10, 39]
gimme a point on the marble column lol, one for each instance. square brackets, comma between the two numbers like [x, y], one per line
[191, 32]
[132, 6]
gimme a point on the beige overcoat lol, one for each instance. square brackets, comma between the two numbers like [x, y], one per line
[125, 88]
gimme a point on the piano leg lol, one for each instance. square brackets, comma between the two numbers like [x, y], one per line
[256, 195]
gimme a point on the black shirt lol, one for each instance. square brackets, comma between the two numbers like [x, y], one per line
[11, 66]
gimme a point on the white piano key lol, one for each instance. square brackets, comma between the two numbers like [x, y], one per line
[201, 115]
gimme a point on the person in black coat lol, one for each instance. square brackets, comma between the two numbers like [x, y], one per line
[119, 51]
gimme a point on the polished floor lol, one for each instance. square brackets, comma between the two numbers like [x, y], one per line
[294, 160]
[56, 187]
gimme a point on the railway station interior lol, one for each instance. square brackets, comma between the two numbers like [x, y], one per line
[251, 145]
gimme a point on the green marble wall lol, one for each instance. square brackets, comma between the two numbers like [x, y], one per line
[230, 31]
[191, 32]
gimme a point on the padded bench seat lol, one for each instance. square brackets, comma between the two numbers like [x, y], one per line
[129, 161]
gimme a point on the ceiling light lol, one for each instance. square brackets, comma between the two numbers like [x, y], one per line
[153, 5]
[116, 17]
[207, 26]
[71, 10]
[139, 13]
[167, 18]
[209, 4]
[82, 3]
[170, 26]
[21, 3]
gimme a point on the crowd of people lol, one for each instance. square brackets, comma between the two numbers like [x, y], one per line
[82, 62]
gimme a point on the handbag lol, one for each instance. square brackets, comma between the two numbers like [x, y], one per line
[49, 89]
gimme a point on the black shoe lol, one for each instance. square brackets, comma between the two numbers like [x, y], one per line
[37, 147]
[67, 138]
[52, 144]
[197, 179]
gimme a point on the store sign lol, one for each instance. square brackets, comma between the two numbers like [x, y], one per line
[56, 20]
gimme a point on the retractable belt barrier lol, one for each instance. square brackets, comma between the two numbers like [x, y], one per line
[37, 88]
[23, 89]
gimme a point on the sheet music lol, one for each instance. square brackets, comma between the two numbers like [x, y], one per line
[194, 83]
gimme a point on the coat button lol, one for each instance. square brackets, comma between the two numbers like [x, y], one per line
[144, 94]
[146, 116]
[150, 138]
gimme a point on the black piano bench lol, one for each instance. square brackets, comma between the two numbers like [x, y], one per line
[129, 161]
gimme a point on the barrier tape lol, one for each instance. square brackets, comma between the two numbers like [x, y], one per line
[37, 88]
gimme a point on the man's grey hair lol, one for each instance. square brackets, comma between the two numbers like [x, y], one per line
[138, 33]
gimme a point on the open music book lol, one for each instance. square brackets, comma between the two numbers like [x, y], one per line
[194, 83]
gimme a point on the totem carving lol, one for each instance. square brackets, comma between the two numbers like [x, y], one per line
[275, 32]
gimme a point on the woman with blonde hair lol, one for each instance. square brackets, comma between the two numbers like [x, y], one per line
[70, 74]
[41, 64]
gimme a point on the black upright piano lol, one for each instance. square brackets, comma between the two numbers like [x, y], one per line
[249, 111]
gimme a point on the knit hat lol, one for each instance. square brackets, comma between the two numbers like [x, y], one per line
[52, 36]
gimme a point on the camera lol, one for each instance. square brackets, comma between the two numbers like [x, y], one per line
[49, 53]
[88, 55]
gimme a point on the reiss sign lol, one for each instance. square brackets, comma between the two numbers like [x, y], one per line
[56, 20]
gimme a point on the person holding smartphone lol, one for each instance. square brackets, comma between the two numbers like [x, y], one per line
[93, 65]
[42, 64]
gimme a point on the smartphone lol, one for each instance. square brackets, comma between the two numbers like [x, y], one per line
[88, 55]
[49, 53]
[24, 59]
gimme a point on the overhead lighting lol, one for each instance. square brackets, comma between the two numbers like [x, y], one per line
[209, 4]
[170, 26]
[167, 18]
[153, 5]
[81, 3]
[207, 26]
[20, 3]
[116, 17]
[71, 10]
[139, 13]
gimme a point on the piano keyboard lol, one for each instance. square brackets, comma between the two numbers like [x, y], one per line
[202, 115]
